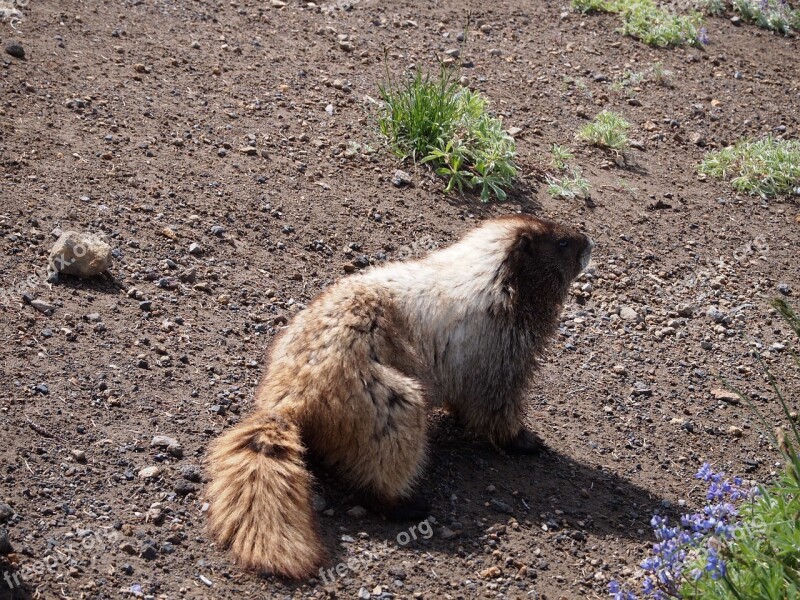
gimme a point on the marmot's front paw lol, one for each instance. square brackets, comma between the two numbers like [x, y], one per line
[525, 442]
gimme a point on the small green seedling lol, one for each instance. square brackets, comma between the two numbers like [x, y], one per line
[607, 130]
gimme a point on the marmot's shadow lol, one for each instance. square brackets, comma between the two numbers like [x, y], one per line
[12, 586]
[461, 469]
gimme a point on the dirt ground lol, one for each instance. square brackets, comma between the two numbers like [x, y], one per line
[152, 122]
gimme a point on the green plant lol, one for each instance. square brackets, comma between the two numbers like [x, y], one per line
[559, 155]
[656, 73]
[713, 7]
[571, 186]
[590, 6]
[643, 20]
[647, 22]
[437, 121]
[765, 167]
[607, 130]
[418, 112]
[775, 15]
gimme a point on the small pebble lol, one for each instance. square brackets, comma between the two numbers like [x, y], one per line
[149, 472]
[191, 473]
[6, 512]
[357, 512]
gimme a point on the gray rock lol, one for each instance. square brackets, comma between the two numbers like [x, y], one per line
[6, 512]
[640, 388]
[191, 473]
[357, 512]
[148, 552]
[84, 255]
[43, 307]
[162, 441]
[189, 275]
[149, 472]
[195, 249]
[175, 450]
[784, 288]
[448, 534]
[627, 313]
[401, 178]
[183, 487]
[16, 50]
[501, 506]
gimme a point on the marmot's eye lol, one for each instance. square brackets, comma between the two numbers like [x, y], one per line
[563, 242]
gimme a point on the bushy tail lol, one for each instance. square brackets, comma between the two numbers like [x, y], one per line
[260, 495]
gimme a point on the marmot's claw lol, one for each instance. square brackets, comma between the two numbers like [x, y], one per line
[525, 442]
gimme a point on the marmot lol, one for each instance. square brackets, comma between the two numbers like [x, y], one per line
[351, 376]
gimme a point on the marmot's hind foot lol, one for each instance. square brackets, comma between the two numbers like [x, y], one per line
[414, 508]
[525, 442]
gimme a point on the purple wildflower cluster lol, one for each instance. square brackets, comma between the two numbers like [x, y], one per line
[706, 530]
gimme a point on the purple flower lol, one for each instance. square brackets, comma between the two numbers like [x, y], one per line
[617, 593]
[715, 565]
[702, 36]
[648, 587]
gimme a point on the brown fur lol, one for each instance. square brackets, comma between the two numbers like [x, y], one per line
[352, 375]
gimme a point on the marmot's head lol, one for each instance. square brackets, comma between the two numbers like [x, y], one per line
[544, 257]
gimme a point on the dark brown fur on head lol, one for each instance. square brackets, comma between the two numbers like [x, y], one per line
[544, 258]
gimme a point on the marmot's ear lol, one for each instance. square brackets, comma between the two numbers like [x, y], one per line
[525, 242]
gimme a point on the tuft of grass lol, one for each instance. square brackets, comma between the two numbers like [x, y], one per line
[418, 112]
[775, 15]
[559, 155]
[607, 130]
[644, 20]
[570, 186]
[656, 73]
[435, 120]
[765, 167]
